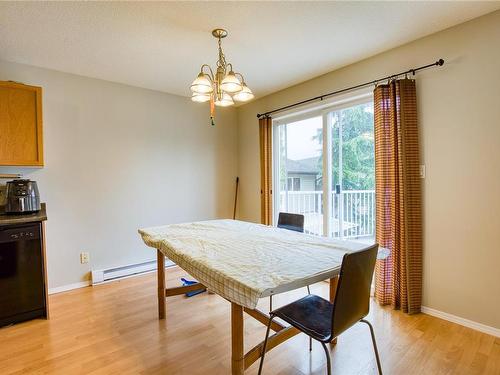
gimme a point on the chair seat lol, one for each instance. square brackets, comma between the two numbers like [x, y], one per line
[311, 314]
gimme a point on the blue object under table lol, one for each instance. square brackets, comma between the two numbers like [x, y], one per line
[186, 282]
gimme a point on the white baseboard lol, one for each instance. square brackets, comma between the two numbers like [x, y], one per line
[65, 288]
[462, 321]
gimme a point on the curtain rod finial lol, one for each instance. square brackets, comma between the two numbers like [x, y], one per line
[440, 62]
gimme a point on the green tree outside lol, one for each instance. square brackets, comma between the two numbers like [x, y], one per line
[358, 153]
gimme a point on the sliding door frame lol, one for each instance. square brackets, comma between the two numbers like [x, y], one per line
[324, 110]
[327, 172]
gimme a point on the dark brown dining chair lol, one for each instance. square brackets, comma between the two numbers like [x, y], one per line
[323, 321]
[290, 221]
[293, 222]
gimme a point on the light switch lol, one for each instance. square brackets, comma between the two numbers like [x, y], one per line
[422, 171]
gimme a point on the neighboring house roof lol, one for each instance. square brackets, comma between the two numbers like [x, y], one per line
[304, 166]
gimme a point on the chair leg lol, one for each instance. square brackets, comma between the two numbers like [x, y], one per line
[374, 345]
[265, 345]
[328, 360]
[270, 303]
[310, 338]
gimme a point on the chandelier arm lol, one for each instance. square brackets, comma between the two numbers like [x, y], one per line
[211, 75]
[241, 76]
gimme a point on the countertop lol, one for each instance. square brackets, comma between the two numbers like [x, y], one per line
[10, 219]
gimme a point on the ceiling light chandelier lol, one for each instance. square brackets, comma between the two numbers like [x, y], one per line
[222, 88]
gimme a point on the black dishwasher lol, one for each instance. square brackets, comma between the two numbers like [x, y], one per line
[21, 273]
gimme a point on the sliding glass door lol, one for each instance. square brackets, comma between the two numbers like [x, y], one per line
[324, 169]
[299, 169]
[353, 172]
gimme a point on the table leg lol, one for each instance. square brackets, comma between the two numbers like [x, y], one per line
[162, 301]
[237, 355]
[333, 290]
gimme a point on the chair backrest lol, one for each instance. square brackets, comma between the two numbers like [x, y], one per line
[352, 300]
[293, 222]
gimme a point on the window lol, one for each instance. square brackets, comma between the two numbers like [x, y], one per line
[324, 168]
[294, 183]
[297, 170]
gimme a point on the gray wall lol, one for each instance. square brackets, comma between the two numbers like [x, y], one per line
[459, 111]
[118, 158]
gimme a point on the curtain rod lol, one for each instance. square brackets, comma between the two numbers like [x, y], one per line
[440, 62]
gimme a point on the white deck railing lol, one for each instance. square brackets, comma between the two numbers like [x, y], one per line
[353, 211]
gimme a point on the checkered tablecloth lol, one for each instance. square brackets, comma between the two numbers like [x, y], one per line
[243, 261]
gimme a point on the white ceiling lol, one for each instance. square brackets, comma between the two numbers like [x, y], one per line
[161, 45]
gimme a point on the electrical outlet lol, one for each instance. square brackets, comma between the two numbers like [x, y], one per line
[84, 257]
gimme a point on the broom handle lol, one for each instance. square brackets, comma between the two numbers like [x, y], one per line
[236, 197]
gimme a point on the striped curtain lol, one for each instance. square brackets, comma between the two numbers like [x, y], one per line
[266, 143]
[398, 192]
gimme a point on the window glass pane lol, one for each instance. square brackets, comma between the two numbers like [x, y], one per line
[300, 171]
[353, 173]
[296, 184]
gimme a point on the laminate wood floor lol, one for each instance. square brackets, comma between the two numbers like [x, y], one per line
[114, 329]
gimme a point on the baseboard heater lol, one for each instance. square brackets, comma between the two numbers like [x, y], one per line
[101, 276]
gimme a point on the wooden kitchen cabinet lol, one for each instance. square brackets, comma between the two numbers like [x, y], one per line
[21, 138]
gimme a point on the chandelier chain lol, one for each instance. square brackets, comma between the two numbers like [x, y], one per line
[222, 59]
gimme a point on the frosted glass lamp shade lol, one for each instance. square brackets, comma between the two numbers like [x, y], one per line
[230, 83]
[225, 101]
[200, 98]
[244, 95]
[201, 85]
